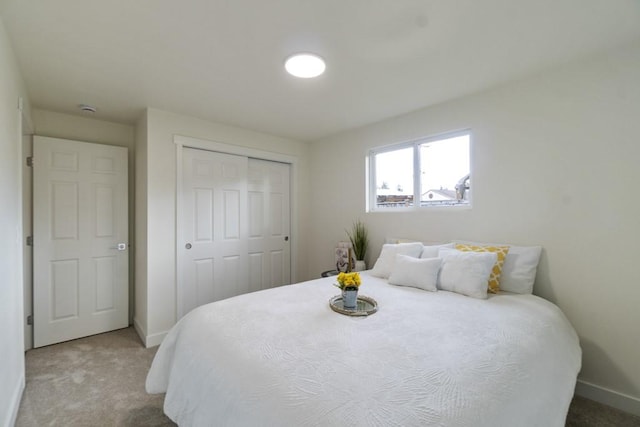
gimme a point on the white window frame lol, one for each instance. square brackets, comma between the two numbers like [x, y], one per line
[371, 194]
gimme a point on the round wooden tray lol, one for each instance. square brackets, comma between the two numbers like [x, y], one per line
[364, 306]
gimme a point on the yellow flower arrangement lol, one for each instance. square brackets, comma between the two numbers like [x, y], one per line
[348, 281]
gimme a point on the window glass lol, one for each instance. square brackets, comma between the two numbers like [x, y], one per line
[394, 178]
[444, 171]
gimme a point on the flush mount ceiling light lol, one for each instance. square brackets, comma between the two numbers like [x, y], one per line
[305, 65]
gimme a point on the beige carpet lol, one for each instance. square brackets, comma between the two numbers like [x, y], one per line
[99, 381]
[587, 413]
[93, 381]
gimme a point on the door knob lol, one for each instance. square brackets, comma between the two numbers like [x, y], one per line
[120, 247]
[188, 246]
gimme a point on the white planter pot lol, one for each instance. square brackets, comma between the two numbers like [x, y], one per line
[360, 265]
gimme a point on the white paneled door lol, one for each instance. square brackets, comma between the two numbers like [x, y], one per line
[269, 219]
[235, 227]
[215, 213]
[80, 239]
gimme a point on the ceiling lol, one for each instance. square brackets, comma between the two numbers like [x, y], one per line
[223, 60]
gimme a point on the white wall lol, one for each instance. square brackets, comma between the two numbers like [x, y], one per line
[90, 129]
[140, 250]
[83, 128]
[12, 375]
[554, 163]
[160, 223]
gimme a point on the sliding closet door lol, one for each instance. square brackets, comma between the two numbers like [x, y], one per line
[269, 224]
[235, 228]
[214, 228]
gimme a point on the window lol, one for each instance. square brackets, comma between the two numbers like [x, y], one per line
[432, 171]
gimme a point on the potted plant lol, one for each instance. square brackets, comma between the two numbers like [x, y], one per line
[359, 238]
[349, 284]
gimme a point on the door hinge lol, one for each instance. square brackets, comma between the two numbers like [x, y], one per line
[30, 319]
[30, 161]
[29, 240]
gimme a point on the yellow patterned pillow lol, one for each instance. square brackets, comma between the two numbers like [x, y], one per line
[501, 252]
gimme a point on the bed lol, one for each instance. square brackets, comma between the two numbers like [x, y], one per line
[282, 357]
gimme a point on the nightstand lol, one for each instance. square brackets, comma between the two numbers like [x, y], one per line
[329, 273]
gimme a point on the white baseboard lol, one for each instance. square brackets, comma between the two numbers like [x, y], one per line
[12, 413]
[609, 397]
[148, 340]
[142, 333]
[155, 339]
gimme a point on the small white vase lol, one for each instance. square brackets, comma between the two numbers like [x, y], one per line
[360, 265]
[350, 299]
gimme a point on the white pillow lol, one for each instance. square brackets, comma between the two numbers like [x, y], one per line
[466, 273]
[431, 251]
[519, 268]
[387, 259]
[415, 272]
[395, 240]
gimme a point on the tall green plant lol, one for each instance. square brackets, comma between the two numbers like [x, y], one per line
[359, 237]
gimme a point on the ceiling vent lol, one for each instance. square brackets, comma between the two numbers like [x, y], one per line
[87, 108]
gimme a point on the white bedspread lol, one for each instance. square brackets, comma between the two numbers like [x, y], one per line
[282, 357]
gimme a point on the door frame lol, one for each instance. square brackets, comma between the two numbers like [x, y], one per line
[26, 214]
[181, 142]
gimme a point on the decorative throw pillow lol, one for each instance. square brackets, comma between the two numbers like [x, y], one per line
[520, 266]
[387, 259]
[415, 272]
[466, 273]
[500, 251]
